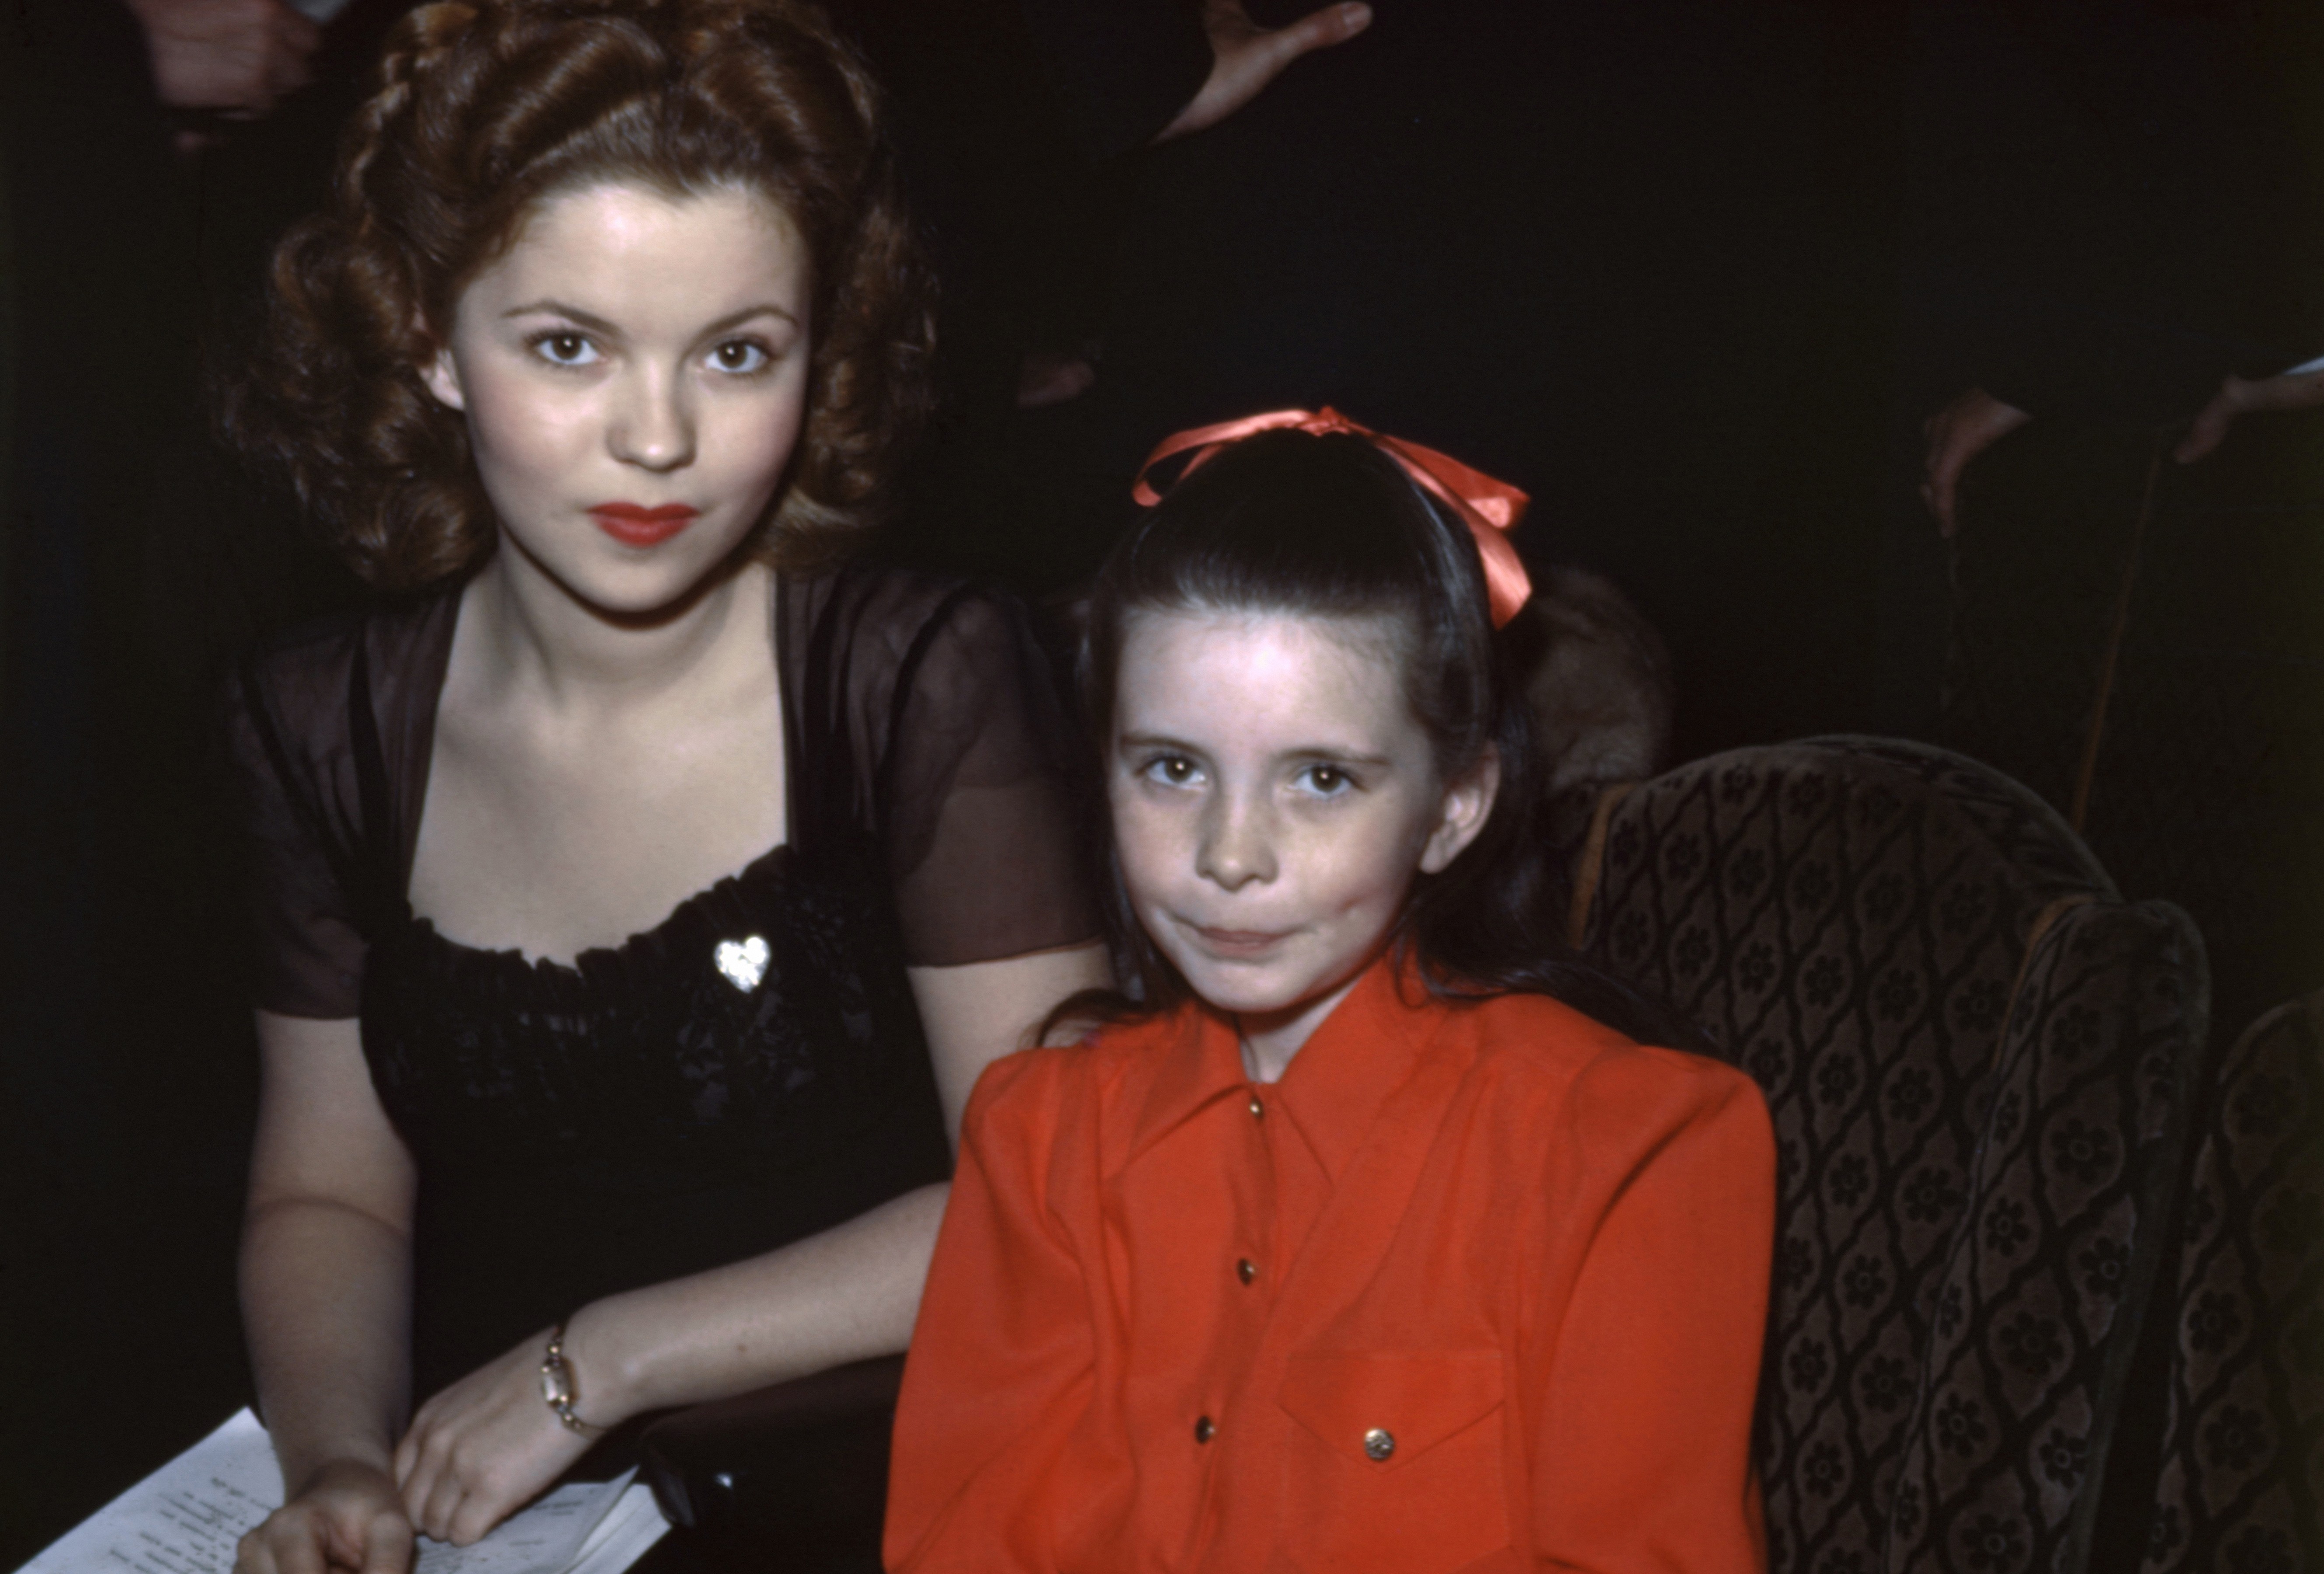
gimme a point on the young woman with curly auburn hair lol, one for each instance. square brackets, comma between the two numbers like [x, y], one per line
[481, 112]
[638, 893]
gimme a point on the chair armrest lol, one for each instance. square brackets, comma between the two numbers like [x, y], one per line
[798, 1470]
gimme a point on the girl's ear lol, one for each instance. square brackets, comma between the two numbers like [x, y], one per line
[1467, 804]
[442, 376]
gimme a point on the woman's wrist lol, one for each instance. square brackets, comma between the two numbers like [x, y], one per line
[600, 1373]
[334, 1429]
[306, 1470]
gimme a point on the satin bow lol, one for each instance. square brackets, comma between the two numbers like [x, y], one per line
[1490, 508]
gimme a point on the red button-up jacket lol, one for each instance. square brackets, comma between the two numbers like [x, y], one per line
[1475, 1286]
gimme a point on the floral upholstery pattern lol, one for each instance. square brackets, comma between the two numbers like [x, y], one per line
[2242, 1488]
[1974, 1054]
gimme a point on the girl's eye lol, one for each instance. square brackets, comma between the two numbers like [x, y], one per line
[1171, 770]
[741, 356]
[1326, 780]
[563, 348]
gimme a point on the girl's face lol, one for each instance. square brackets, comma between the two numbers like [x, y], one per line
[634, 373]
[1273, 797]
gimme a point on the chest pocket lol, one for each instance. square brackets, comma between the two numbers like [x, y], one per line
[1395, 1461]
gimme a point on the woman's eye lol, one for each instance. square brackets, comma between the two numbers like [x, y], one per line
[741, 356]
[564, 348]
[1326, 780]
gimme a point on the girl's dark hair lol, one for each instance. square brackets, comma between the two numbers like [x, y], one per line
[1329, 525]
[482, 110]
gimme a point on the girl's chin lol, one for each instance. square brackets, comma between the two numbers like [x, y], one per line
[1239, 986]
[1252, 990]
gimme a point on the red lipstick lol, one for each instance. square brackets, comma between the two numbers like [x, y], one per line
[633, 526]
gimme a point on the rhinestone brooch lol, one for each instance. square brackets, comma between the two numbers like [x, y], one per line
[743, 961]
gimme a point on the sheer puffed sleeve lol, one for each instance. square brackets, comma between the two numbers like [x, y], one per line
[971, 794]
[286, 739]
[318, 870]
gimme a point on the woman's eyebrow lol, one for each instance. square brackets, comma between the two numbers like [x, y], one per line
[596, 324]
[736, 319]
[589, 319]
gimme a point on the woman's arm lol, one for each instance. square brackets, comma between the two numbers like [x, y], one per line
[326, 1296]
[976, 1014]
[484, 1445]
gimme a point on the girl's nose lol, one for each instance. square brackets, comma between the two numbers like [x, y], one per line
[653, 424]
[1238, 845]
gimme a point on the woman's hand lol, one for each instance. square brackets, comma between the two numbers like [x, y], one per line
[1958, 433]
[484, 1447]
[348, 1515]
[1246, 56]
[2237, 396]
[238, 56]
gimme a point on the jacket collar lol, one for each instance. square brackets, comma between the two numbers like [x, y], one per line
[1337, 1083]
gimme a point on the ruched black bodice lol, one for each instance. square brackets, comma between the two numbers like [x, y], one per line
[749, 1072]
[641, 1116]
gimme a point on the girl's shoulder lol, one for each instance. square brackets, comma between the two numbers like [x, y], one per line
[1109, 1068]
[1530, 1048]
[1094, 1057]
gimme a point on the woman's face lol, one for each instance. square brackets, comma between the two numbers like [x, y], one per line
[1273, 797]
[634, 373]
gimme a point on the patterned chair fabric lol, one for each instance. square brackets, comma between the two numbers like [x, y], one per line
[2242, 1488]
[1975, 1052]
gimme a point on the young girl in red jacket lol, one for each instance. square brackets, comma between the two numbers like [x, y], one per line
[1360, 1241]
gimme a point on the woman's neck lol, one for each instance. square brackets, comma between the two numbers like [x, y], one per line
[542, 638]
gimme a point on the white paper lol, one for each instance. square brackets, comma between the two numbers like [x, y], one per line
[545, 1539]
[185, 1518]
[623, 1536]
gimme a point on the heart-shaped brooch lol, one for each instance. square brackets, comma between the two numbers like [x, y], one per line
[743, 961]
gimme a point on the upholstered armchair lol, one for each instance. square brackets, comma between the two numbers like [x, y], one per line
[794, 1476]
[1977, 1058]
[2241, 1487]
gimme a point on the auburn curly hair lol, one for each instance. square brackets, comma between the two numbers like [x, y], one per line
[482, 109]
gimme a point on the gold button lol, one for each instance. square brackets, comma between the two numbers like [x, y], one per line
[1246, 1270]
[1378, 1444]
[1204, 1430]
[1256, 1108]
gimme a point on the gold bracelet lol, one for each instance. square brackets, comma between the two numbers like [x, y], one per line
[558, 1387]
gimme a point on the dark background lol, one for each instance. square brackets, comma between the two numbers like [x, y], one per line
[1666, 265]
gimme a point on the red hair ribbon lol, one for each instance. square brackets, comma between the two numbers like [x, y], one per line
[1490, 508]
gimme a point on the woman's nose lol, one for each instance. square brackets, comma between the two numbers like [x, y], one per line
[653, 424]
[1238, 845]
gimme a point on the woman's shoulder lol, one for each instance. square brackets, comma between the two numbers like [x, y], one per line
[870, 648]
[871, 609]
[303, 672]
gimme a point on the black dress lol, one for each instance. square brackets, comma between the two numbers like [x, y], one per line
[749, 1072]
